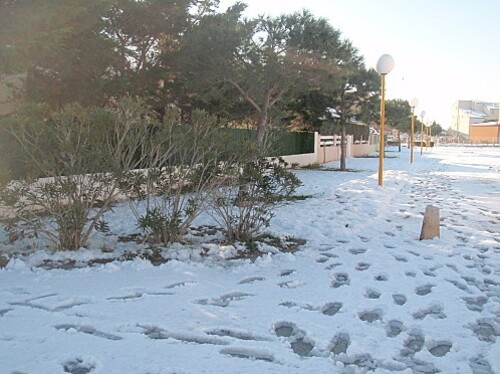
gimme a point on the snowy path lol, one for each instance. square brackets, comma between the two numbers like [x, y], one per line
[363, 295]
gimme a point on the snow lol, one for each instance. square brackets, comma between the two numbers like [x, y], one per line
[362, 295]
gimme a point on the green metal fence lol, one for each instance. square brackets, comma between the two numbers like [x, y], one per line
[283, 144]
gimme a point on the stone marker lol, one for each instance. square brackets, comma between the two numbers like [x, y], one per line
[430, 226]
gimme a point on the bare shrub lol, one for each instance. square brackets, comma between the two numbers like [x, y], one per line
[78, 156]
[179, 166]
[71, 188]
[253, 187]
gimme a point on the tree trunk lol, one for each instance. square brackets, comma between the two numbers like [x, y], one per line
[399, 141]
[261, 128]
[262, 125]
[343, 139]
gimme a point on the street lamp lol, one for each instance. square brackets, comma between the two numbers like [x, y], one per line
[427, 137]
[430, 135]
[422, 115]
[413, 104]
[384, 66]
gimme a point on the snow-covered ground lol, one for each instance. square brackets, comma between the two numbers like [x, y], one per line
[362, 295]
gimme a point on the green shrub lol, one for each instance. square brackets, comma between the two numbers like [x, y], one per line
[69, 191]
[179, 170]
[244, 204]
[77, 158]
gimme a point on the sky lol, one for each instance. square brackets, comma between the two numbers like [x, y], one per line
[444, 51]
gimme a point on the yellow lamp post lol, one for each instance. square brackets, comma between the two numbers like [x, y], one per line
[384, 66]
[422, 115]
[430, 135]
[427, 138]
[413, 104]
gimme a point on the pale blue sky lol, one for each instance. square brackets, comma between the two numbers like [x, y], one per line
[444, 50]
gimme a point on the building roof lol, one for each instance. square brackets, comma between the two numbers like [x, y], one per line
[491, 106]
[473, 113]
[491, 123]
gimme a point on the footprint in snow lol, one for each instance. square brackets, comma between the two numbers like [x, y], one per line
[249, 353]
[300, 343]
[224, 300]
[340, 343]
[394, 328]
[461, 286]
[87, 329]
[325, 247]
[439, 348]
[4, 311]
[284, 329]
[293, 304]
[50, 305]
[179, 284]
[413, 344]
[424, 289]
[471, 281]
[253, 279]
[333, 265]
[364, 361]
[79, 366]
[237, 334]
[138, 295]
[400, 258]
[361, 266]
[486, 330]
[370, 315]
[429, 273]
[399, 299]
[372, 294]
[340, 279]
[130, 296]
[381, 278]
[435, 311]
[357, 251]
[364, 239]
[322, 259]
[287, 272]
[479, 365]
[329, 309]
[292, 284]
[325, 256]
[157, 333]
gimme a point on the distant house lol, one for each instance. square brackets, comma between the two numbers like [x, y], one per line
[467, 113]
[487, 132]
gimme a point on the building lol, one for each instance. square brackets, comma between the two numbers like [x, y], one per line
[466, 113]
[488, 132]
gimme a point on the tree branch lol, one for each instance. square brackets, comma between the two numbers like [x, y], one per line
[244, 94]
